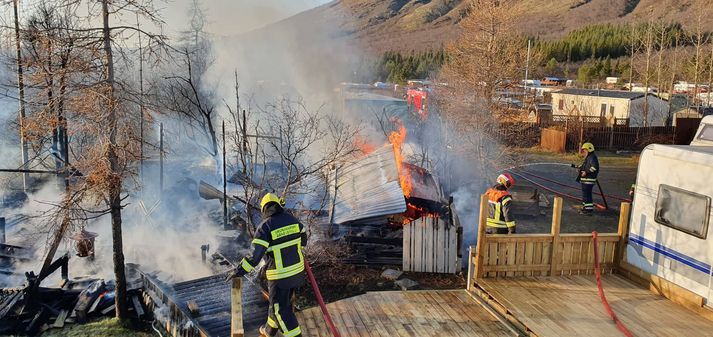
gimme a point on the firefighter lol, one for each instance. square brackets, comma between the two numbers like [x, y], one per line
[500, 219]
[587, 177]
[280, 237]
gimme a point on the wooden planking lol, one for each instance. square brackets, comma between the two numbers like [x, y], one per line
[400, 313]
[453, 265]
[406, 253]
[525, 255]
[570, 306]
[430, 246]
[516, 255]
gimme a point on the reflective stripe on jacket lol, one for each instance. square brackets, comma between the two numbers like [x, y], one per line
[590, 168]
[280, 238]
[499, 201]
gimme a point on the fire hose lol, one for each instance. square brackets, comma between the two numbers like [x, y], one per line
[572, 187]
[322, 306]
[598, 275]
[599, 206]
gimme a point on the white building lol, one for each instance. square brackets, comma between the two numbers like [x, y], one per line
[610, 105]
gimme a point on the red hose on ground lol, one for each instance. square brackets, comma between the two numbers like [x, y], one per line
[554, 191]
[322, 306]
[572, 187]
[607, 307]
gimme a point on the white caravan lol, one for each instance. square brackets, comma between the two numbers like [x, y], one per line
[670, 234]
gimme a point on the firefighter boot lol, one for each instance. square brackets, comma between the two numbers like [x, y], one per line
[263, 331]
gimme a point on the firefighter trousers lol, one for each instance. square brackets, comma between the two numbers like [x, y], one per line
[281, 315]
[587, 199]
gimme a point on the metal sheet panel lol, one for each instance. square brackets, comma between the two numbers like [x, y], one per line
[369, 188]
[212, 295]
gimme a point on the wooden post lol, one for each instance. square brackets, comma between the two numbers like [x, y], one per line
[236, 309]
[480, 246]
[623, 232]
[2, 230]
[556, 221]
[471, 271]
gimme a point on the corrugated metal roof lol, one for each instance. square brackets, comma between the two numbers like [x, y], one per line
[368, 96]
[602, 93]
[369, 188]
[212, 294]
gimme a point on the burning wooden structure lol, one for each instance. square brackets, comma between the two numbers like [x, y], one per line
[394, 212]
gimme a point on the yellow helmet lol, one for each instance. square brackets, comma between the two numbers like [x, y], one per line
[588, 146]
[271, 197]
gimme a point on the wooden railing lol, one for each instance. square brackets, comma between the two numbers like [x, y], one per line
[514, 255]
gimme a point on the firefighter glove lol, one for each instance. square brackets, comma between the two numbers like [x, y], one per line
[236, 272]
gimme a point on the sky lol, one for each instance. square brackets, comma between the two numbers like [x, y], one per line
[232, 17]
[225, 17]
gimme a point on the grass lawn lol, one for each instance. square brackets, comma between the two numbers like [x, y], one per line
[606, 158]
[105, 327]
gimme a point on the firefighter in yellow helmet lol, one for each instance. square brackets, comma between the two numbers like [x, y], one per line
[587, 176]
[280, 238]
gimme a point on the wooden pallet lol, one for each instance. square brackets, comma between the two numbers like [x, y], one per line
[570, 306]
[405, 313]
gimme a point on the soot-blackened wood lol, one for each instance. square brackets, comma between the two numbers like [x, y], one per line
[87, 298]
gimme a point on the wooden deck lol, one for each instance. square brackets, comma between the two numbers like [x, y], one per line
[570, 306]
[399, 313]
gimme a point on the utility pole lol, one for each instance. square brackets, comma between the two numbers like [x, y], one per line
[160, 155]
[21, 87]
[527, 69]
[141, 104]
[225, 185]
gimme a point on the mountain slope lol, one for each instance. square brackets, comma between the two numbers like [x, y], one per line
[406, 25]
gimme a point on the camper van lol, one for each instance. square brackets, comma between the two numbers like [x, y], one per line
[670, 232]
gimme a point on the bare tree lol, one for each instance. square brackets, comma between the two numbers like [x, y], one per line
[710, 78]
[663, 43]
[100, 107]
[674, 67]
[185, 94]
[698, 39]
[304, 142]
[486, 57]
[648, 45]
[196, 33]
[633, 50]
[250, 160]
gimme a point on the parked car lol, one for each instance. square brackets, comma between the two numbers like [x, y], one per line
[509, 102]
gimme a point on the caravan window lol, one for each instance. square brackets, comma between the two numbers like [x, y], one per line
[706, 133]
[683, 210]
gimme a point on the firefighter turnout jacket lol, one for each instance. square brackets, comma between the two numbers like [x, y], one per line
[499, 217]
[589, 170]
[280, 237]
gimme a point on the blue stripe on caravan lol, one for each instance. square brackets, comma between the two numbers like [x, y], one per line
[670, 253]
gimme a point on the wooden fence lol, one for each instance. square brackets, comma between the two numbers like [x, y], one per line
[513, 255]
[430, 246]
[622, 137]
[553, 140]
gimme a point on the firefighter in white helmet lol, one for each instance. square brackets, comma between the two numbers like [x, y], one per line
[500, 219]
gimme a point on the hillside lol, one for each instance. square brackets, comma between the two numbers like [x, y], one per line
[405, 25]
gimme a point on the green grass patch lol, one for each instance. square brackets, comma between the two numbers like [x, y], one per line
[606, 158]
[110, 327]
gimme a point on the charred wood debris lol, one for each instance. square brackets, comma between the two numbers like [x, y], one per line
[364, 213]
[32, 308]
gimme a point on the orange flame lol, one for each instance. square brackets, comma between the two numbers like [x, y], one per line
[397, 138]
[414, 212]
[364, 146]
